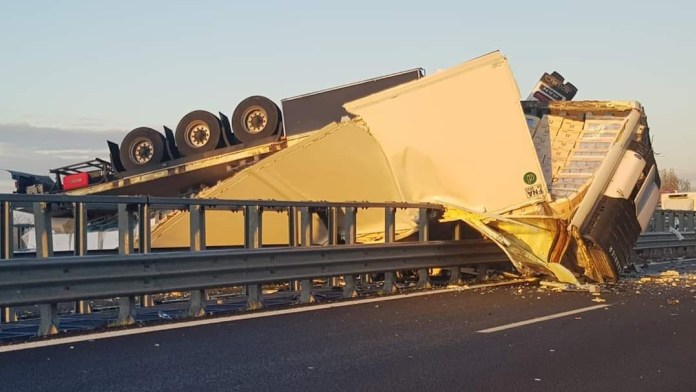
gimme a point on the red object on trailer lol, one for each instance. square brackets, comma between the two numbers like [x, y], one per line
[74, 181]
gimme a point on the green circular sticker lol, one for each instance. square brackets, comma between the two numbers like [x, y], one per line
[530, 178]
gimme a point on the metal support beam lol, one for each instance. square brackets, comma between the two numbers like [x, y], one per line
[253, 217]
[80, 217]
[42, 229]
[456, 272]
[389, 237]
[49, 320]
[423, 236]
[198, 241]
[351, 233]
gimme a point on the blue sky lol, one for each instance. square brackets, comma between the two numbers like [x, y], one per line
[72, 67]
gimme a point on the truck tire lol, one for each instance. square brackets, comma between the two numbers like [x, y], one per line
[142, 147]
[255, 118]
[198, 132]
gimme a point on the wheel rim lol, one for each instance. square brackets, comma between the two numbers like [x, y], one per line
[255, 119]
[142, 151]
[197, 134]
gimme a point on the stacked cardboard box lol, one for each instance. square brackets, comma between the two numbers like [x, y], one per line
[593, 138]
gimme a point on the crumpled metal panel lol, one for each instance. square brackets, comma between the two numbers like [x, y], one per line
[458, 136]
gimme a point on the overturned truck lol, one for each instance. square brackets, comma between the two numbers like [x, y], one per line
[564, 188]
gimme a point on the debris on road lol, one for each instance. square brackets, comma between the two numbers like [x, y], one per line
[163, 315]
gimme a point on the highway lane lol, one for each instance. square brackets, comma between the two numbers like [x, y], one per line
[644, 341]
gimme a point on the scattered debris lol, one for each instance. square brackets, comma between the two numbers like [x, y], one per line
[164, 316]
[599, 300]
[555, 285]
[510, 275]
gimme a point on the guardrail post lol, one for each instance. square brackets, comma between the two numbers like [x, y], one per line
[292, 226]
[332, 220]
[44, 250]
[389, 237]
[349, 290]
[456, 272]
[42, 230]
[126, 305]
[659, 221]
[144, 229]
[126, 311]
[49, 319]
[423, 234]
[306, 295]
[80, 217]
[688, 223]
[144, 245]
[294, 285]
[6, 249]
[197, 226]
[125, 230]
[252, 240]
[669, 220]
[482, 272]
[6, 231]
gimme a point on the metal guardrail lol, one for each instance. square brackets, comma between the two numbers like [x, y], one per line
[662, 220]
[49, 279]
[661, 241]
[665, 240]
[73, 278]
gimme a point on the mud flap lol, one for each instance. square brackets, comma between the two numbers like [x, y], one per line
[115, 157]
[171, 144]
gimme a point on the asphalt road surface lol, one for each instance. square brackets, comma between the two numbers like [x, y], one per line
[643, 340]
